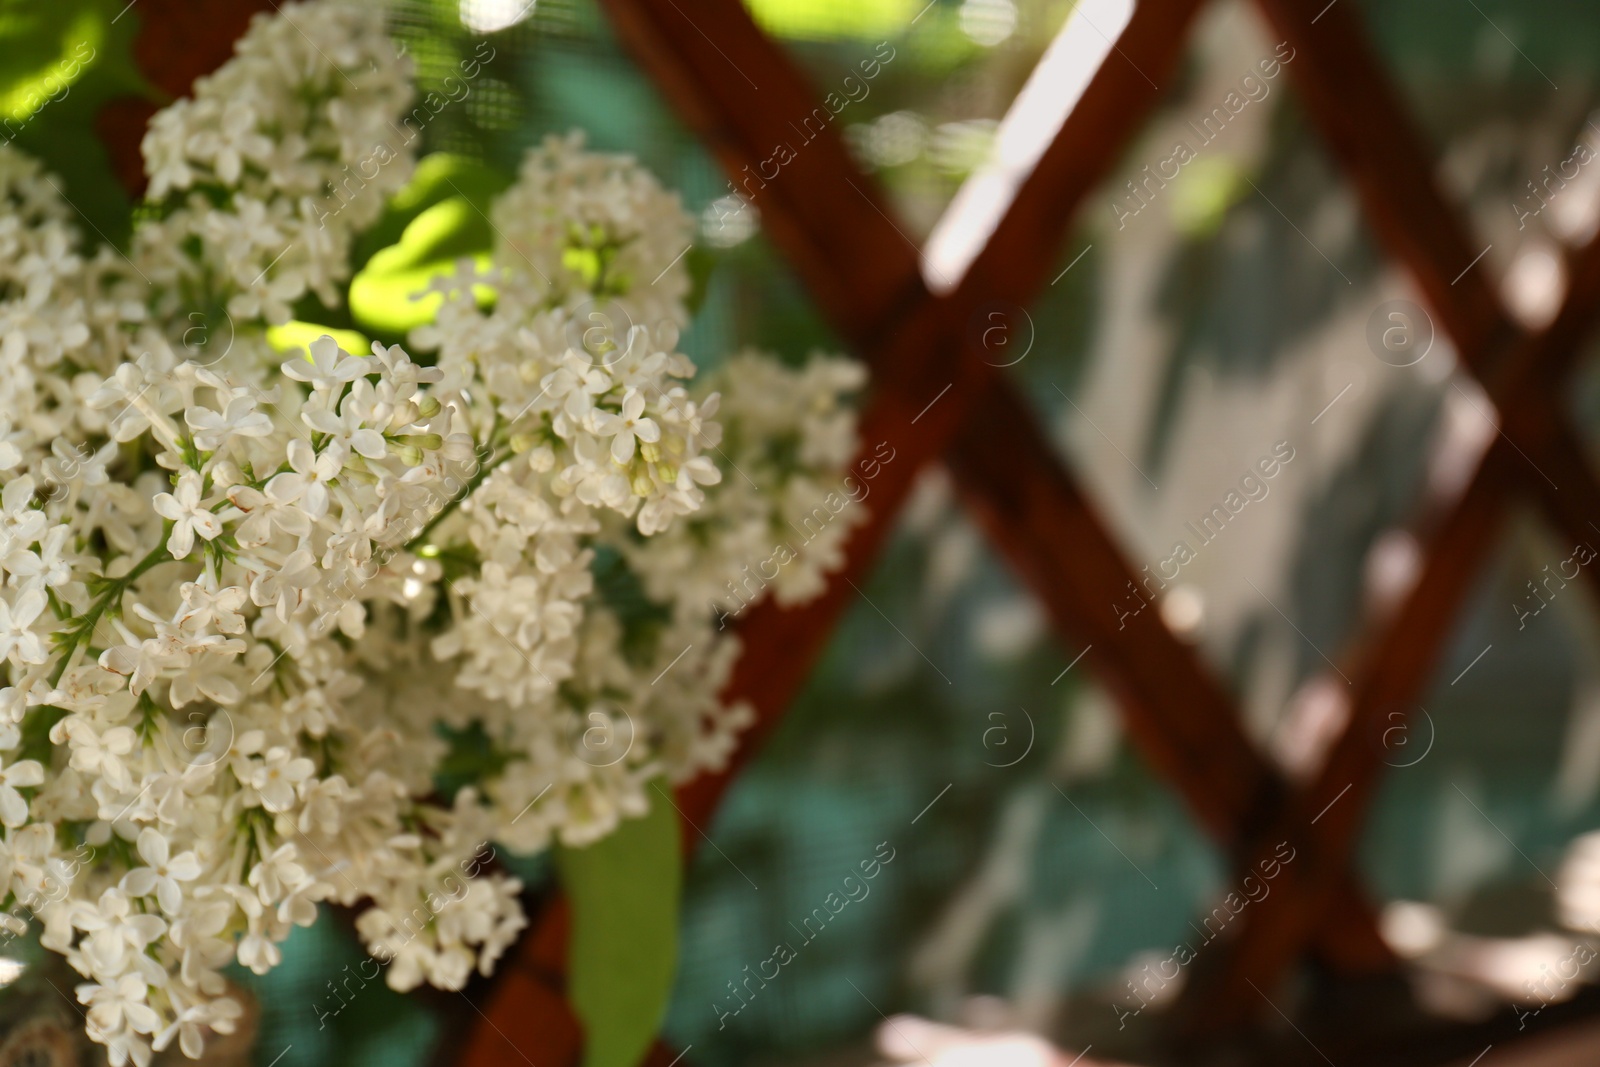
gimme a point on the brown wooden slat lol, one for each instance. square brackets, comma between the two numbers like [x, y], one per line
[1572, 503]
[744, 97]
[1359, 114]
[543, 1029]
[782, 645]
[1055, 542]
[1271, 934]
[920, 354]
[1363, 120]
[1171, 705]
[1401, 653]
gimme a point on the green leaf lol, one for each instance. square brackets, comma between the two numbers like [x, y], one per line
[47, 47]
[862, 20]
[643, 620]
[384, 295]
[295, 334]
[624, 891]
[473, 757]
[36, 727]
[700, 262]
[438, 177]
[59, 64]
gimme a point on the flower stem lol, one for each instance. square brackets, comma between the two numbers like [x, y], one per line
[484, 470]
[83, 627]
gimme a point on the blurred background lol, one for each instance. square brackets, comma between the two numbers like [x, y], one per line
[1222, 318]
[1191, 333]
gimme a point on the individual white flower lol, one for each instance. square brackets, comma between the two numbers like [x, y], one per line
[623, 428]
[50, 566]
[576, 384]
[283, 590]
[277, 874]
[161, 873]
[97, 753]
[307, 480]
[276, 776]
[269, 510]
[327, 365]
[203, 674]
[299, 904]
[349, 430]
[187, 514]
[16, 627]
[204, 916]
[240, 418]
[122, 1000]
[234, 140]
[115, 929]
[20, 522]
[256, 950]
[205, 609]
[144, 662]
[190, 1024]
[24, 773]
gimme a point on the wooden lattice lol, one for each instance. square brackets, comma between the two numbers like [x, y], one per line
[937, 399]
[835, 227]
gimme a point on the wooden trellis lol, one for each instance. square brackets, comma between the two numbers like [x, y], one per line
[936, 398]
[833, 224]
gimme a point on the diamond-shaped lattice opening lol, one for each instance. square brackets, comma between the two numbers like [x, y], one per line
[941, 102]
[1494, 770]
[1034, 850]
[1502, 91]
[1250, 460]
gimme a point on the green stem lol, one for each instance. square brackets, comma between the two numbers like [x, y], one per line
[84, 630]
[477, 479]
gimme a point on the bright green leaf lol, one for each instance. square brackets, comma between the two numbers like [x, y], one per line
[59, 64]
[386, 300]
[860, 19]
[447, 230]
[624, 891]
[47, 52]
[299, 335]
[383, 296]
[438, 177]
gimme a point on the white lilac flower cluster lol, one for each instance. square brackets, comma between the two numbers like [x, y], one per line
[592, 226]
[251, 604]
[277, 161]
